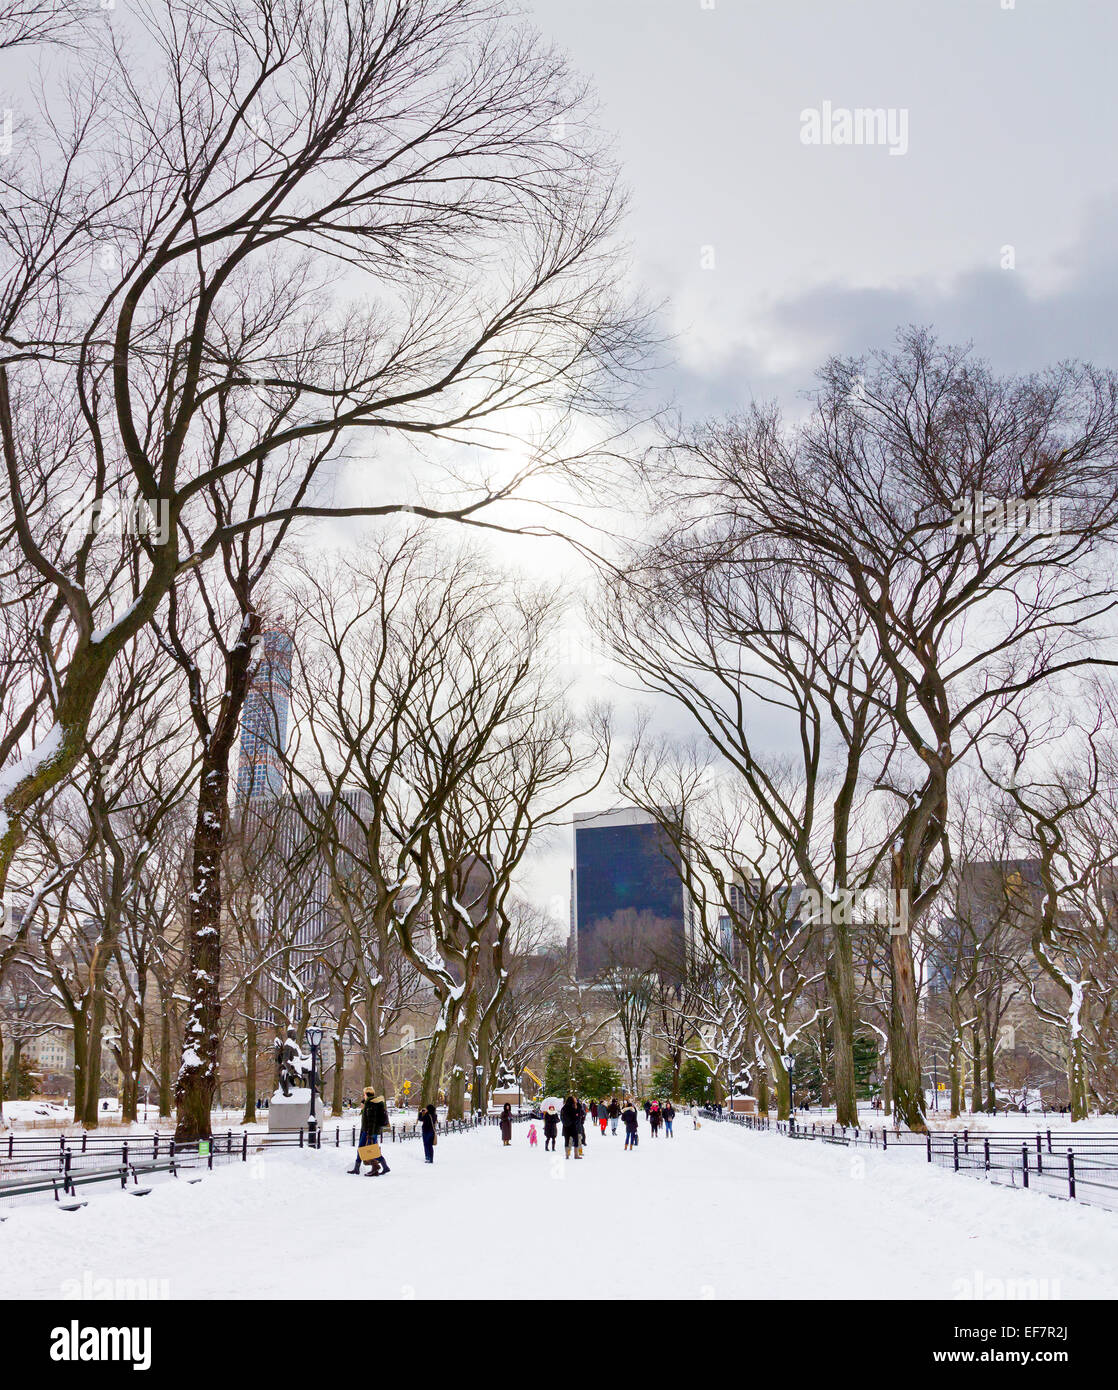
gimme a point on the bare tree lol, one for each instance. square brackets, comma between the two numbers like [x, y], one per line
[430, 153]
[934, 621]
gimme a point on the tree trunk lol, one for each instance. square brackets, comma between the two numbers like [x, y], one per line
[338, 1089]
[14, 1065]
[436, 1052]
[955, 1072]
[197, 1079]
[165, 1096]
[1077, 1079]
[461, 1072]
[77, 1033]
[762, 1091]
[840, 985]
[783, 1088]
[976, 1087]
[991, 1084]
[904, 1018]
[251, 1045]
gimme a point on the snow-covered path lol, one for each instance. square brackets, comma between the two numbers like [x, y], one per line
[713, 1213]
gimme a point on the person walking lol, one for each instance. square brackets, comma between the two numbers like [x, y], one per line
[550, 1128]
[582, 1112]
[647, 1108]
[506, 1124]
[569, 1117]
[654, 1118]
[629, 1117]
[603, 1114]
[614, 1114]
[428, 1122]
[668, 1113]
[374, 1119]
[533, 1140]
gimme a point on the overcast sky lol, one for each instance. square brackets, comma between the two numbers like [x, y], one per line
[1011, 127]
[771, 253]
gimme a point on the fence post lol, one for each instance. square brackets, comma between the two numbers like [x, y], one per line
[244, 1147]
[66, 1187]
[1049, 1133]
[1039, 1157]
[955, 1148]
[928, 1137]
[966, 1141]
[884, 1138]
[300, 1136]
[85, 1136]
[986, 1153]
[1024, 1163]
[1071, 1174]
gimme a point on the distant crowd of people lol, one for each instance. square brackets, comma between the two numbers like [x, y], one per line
[572, 1118]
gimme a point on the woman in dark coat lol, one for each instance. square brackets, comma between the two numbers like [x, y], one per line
[506, 1125]
[570, 1120]
[427, 1122]
[550, 1128]
[374, 1119]
[629, 1116]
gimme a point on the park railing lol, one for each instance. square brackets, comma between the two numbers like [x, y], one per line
[1079, 1167]
[34, 1165]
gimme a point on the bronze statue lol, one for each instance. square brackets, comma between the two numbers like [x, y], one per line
[289, 1063]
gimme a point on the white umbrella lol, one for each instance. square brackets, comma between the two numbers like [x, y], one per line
[551, 1100]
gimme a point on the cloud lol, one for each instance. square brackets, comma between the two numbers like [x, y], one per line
[1022, 319]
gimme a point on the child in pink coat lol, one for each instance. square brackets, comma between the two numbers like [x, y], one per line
[532, 1140]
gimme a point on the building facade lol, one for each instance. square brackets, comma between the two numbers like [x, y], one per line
[627, 884]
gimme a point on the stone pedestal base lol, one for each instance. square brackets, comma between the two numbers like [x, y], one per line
[289, 1114]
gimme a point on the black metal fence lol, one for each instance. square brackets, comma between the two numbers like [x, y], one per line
[1079, 1167]
[35, 1165]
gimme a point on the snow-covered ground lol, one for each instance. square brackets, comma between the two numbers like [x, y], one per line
[713, 1213]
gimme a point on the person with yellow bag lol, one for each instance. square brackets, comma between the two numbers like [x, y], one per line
[374, 1119]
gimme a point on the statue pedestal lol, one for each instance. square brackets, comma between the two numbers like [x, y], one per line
[289, 1114]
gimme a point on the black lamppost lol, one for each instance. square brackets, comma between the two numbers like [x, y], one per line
[314, 1042]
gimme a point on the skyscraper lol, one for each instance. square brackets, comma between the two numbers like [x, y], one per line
[264, 719]
[625, 863]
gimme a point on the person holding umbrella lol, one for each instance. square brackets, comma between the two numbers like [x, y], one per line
[550, 1124]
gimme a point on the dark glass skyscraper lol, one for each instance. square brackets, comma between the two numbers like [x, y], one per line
[625, 863]
[264, 720]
